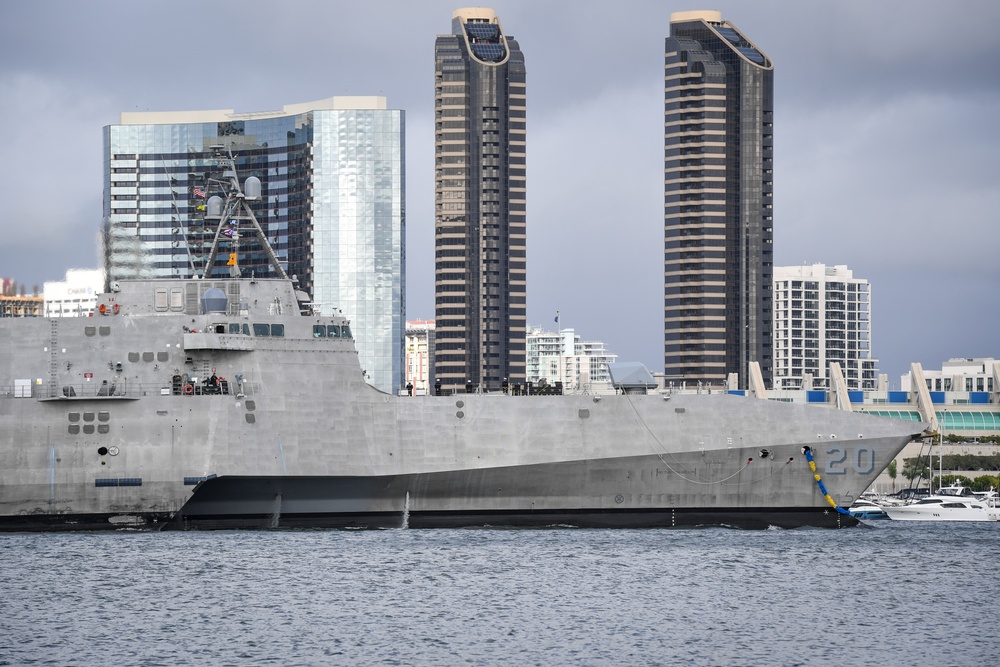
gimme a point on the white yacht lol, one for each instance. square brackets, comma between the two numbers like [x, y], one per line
[864, 508]
[950, 503]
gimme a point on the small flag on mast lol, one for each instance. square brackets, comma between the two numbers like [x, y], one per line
[198, 192]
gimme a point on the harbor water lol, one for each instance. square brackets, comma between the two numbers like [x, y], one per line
[891, 594]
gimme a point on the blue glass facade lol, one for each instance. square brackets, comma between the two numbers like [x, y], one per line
[332, 207]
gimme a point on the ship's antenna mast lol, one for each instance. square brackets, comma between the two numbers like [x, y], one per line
[232, 212]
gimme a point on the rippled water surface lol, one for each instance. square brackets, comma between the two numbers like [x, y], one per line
[894, 594]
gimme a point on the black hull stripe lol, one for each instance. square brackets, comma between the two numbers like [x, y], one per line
[583, 518]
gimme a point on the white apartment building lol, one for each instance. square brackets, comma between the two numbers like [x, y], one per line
[74, 297]
[822, 314]
[563, 358]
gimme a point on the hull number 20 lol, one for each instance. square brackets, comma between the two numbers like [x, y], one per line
[838, 458]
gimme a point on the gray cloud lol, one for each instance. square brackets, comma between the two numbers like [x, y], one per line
[885, 143]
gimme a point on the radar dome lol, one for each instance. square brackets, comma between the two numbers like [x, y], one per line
[214, 301]
[214, 207]
[251, 188]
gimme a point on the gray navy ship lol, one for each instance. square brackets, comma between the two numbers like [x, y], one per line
[228, 403]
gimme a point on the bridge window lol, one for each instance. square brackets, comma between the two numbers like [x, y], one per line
[277, 330]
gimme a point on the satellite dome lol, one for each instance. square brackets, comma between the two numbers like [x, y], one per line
[214, 301]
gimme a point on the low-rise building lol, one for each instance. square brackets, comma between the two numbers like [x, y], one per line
[76, 296]
[419, 356]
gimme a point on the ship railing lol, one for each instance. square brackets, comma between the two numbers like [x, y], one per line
[119, 389]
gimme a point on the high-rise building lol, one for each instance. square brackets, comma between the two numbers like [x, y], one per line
[718, 214]
[822, 314]
[331, 206]
[479, 220]
[563, 358]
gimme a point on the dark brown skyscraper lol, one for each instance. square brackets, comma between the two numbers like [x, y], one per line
[718, 212]
[479, 221]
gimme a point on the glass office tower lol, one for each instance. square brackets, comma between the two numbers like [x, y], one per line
[479, 220]
[332, 207]
[718, 212]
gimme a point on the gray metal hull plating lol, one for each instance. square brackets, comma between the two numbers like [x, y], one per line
[308, 443]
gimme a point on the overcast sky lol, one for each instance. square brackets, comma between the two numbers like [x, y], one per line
[886, 140]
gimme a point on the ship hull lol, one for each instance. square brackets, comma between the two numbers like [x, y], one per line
[263, 503]
[104, 425]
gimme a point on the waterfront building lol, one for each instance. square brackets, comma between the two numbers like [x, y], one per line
[973, 376]
[332, 207]
[563, 359]
[822, 314]
[22, 305]
[479, 219]
[420, 356]
[74, 297]
[718, 210]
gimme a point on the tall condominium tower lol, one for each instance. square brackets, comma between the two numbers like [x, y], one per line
[331, 205]
[718, 224]
[822, 314]
[479, 219]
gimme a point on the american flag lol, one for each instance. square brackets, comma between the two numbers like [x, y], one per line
[198, 192]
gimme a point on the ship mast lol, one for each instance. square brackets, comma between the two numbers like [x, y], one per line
[232, 212]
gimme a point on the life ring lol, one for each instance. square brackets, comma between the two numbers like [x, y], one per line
[189, 389]
[103, 309]
[116, 308]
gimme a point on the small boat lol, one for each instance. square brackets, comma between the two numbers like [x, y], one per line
[863, 508]
[950, 503]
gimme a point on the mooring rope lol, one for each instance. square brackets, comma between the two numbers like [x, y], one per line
[819, 480]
